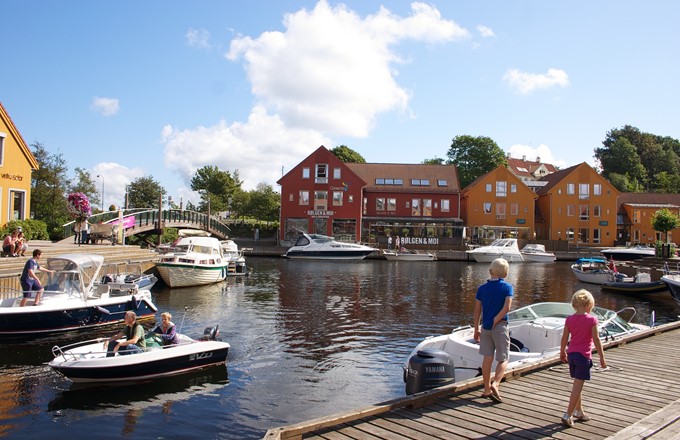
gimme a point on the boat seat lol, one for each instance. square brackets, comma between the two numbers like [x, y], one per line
[102, 291]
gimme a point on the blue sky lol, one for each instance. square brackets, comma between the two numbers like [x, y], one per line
[156, 88]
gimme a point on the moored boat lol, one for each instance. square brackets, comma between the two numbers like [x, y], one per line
[639, 284]
[672, 281]
[593, 270]
[87, 361]
[631, 253]
[537, 253]
[75, 298]
[323, 247]
[405, 255]
[193, 261]
[506, 248]
[535, 330]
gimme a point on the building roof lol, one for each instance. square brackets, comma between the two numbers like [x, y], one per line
[554, 178]
[529, 170]
[650, 200]
[23, 146]
[409, 175]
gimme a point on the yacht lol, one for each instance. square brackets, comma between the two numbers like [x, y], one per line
[502, 248]
[316, 246]
[636, 252]
[193, 261]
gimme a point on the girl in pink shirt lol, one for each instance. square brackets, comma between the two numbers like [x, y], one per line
[582, 327]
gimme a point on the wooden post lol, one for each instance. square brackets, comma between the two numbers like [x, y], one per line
[160, 217]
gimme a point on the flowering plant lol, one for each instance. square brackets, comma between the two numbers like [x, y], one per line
[78, 206]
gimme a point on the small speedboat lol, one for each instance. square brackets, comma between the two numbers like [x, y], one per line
[406, 255]
[193, 261]
[631, 253]
[672, 281]
[537, 253]
[323, 247]
[86, 362]
[595, 270]
[506, 248]
[535, 334]
[639, 284]
[237, 262]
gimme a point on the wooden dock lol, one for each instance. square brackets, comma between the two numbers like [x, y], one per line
[638, 397]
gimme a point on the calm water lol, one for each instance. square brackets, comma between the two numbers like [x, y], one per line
[308, 339]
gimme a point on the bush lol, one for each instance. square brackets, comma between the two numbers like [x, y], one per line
[33, 229]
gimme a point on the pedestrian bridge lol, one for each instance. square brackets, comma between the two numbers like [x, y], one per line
[145, 222]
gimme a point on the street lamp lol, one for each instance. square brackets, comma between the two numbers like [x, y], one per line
[102, 177]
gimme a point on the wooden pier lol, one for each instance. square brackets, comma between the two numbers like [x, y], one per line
[637, 397]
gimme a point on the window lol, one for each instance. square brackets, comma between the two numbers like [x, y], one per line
[446, 205]
[570, 189]
[584, 211]
[392, 205]
[291, 197]
[338, 198]
[18, 201]
[304, 197]
[380, 204]
[636, 216]
[442, 182]
[415, 207]
[584, 235]
[321, 173]
[571, 210]
[488, 187]
[350, 199]
[427, 207]
[379, 181]
[305, 173]
[597, 212]
[336, 173]
[570, 234]
[501, 189]
[514, 209]
[596, 236]
[597, 191]
[583, 191]
[420, 182]
[2, 148]
[487, 208]
[320, 199]
[513, 188]
[500, 210]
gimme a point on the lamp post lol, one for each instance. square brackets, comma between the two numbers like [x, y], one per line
[102, 177]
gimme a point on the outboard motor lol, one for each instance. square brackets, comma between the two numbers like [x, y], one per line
[211, 333]
[429, 368]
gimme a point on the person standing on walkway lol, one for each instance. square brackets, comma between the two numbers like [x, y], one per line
[492, 304]
[581, 332]
[389, 242]
[29, 279]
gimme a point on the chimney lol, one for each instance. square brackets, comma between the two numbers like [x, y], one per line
[524, 158]
[507, 155]
[538, 159]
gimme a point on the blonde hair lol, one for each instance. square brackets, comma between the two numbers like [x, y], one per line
[582, 299]
[499, 268]
[167, 314]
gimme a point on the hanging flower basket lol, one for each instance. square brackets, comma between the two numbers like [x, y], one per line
[78, 206]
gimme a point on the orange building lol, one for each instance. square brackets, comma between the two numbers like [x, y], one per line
[578, 205]
[498, 204]
[634, 219]
[16, 165]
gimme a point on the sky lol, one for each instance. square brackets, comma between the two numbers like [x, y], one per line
[132, 89]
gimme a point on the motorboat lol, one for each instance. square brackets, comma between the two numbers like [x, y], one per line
[406, 255]
[74, 298]
[317, 246]
[537, 253]
[535, 335]
[87, 361]
[593, 270]
[506, 248]
[193, 261]
[640, 283]
[631, 253]
[129, 273]
[237, 262]
[672, 280]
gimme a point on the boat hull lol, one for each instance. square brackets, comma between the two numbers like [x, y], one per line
[632, 288]
[407, 256]
[44, 319]
[592, 277]
[328, 255]
[673, 284]
[88, 364]
[539, 258]
[185, 275]
[488, 257]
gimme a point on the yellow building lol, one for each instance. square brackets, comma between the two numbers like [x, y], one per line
[634, 220]
[498, 204]
[578, 205]
[16, 164]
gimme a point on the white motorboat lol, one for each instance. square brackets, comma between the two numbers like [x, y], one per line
[537, 253]
[593, 270]
[193, 261]
[535, 334]
[316, 246]
[506, 248]
[237, 262]
[631, 253]
[406, 255]
[87, 361]
[672, 280]
[76, 297]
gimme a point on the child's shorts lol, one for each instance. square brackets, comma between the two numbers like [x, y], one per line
[579, 366]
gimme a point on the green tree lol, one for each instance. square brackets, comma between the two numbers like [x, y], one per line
[347, 155]
[83, 183]
[433, 161]
[474, 157]
[664, 220]
[621, 157]
[240, 204]
[264, 203]
[49, 187]
[144, 192]
[217, 186]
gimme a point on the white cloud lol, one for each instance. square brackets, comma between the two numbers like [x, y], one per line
[532, 153]
[112, 180]
[525, 83]
[198, 38]
[485, 31]
[330, 72]
[105, 106]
